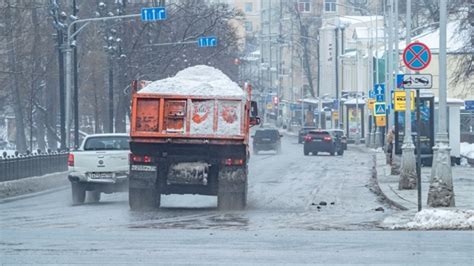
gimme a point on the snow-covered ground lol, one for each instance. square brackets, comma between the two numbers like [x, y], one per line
[433, 219]
[9, 152]
[301, 210]
[467, 150]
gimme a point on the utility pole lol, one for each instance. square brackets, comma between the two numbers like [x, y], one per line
[58, 23]
[76, 84]
[396, 53]
[377, 134]
[390, 60]
[270, 75]
[358, 131]
[441, 192]
[408, 165]
[336, 35]
[279, 68]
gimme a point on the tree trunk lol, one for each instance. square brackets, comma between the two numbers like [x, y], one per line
[20, 138]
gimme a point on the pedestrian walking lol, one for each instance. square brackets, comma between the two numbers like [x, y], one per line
[390, 139]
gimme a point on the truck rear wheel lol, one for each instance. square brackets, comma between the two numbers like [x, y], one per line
[78, 193]
[143, 199]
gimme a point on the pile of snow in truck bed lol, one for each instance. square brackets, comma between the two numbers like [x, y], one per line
[198, 80]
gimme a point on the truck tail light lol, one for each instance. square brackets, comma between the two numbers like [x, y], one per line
[134, 158]
[230, 162]
[70, 160]
[327, 138]
[308, 138]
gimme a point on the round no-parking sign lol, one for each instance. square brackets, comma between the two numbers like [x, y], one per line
[417, 56]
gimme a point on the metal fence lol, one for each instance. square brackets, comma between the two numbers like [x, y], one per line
[17, 167]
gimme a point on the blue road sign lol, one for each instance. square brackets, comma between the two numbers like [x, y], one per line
[207, 42]
[380, 98]
[400, 80]
[153, 14]
[469, 105]
[371, 94]
[379, 89]
[380, 109]
[379, 92]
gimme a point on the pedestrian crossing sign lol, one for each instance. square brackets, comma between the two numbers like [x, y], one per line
[379, 109]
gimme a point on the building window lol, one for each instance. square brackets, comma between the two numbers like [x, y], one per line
[248, 26]
[248, 7]
[304, 5]
[330, 5]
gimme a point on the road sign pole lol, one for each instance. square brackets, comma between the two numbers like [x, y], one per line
[441, 193]
[418, 148]
[408, 165]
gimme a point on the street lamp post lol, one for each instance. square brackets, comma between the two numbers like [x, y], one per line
[357, 136]
[408, 166]
[67, 50]
[441, 193]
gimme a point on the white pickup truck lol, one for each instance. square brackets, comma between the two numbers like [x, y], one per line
[99, 165]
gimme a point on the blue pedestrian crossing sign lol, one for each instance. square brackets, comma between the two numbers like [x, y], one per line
[380, 109]
[379, 92]
[153, 14]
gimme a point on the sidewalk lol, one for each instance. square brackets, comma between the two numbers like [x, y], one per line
[463, 182]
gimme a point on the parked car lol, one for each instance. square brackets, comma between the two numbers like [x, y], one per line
[339, 133]
[267, 140]
[322, 141]
[101, 164]
[303, 132]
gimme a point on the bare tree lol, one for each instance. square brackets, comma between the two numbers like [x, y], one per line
[307, 32]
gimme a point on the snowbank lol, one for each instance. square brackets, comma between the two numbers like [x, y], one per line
[430, 219]
[9, 152]
[467, 150]
[198, 80]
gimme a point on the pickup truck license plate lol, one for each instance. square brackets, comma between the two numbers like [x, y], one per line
[316, 140]
[100, 175]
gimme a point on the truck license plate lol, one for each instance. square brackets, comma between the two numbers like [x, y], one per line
[100, 175]
[316, 140]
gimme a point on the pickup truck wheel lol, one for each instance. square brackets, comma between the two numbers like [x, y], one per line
[78, 193]
[143, 199]
[93, 196]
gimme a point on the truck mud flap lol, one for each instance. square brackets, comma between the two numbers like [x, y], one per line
[142, 179]
[233, 179]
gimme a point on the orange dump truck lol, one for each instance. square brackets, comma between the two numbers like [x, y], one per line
[189, 135]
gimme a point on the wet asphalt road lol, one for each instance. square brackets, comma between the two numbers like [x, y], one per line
[282, 224]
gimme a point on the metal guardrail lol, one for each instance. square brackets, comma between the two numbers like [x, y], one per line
[22, 166]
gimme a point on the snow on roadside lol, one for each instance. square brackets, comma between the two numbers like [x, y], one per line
[9, 152]
[467, 150]
[439, 219]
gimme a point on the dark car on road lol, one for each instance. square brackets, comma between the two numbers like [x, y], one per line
[303, 132]
[322, 141]
[339, 133]
[267, 140]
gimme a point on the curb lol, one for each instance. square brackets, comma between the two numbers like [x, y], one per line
[379, 191]
[32, 186]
